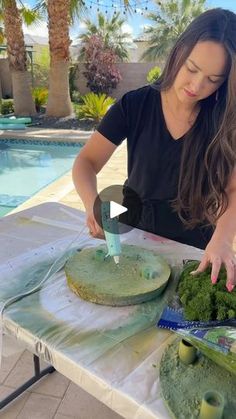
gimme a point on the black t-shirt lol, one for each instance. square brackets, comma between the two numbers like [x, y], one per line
[153, 162]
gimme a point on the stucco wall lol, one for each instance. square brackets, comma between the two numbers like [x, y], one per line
[5, 78]
[134, 75]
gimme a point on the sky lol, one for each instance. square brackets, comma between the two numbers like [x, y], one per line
[134, 25]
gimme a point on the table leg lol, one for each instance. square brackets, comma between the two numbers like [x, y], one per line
[36, 377]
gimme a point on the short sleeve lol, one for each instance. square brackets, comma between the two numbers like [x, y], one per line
[114, 125]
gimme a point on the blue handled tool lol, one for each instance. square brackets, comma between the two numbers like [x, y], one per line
[111, 231]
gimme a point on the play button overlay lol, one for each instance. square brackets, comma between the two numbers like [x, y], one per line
[116, 209]
[125, 207]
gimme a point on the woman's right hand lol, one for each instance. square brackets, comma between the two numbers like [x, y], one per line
[94, 228]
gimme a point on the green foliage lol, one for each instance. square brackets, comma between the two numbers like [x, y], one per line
[41, 67]
[111, 33]
[231, 314]
[7, 106]
[203, 301]
[76, 96]
[2, 38]
[168, 22]
[153, 74]
[94, 106]
[40, 96]
[200, 308]
[73, 72]
[76, 9]
[30, 16]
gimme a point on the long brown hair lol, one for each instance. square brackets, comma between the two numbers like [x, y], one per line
[209, 148]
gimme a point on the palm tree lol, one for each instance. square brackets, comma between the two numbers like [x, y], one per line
[1, 42]
[168, 23]
[23, 101]
[110, 31]
[61, 14]
[59, 102]
[2, 38]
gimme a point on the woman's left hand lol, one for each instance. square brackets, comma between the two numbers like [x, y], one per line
[219, 253]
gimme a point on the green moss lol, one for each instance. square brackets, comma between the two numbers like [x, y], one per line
[140, 276]
[201, 299]
[231, 314]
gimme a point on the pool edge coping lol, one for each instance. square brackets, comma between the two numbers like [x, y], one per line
[46, 134]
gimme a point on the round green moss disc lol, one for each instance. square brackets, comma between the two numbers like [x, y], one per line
[183, 386]
[140, 276]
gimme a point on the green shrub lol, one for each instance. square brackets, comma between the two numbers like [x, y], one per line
[94, 106]
[75, 107]
[40, 95]
[153, 74]
[41, 66]
[7, 106]
[73, 76]
[76, 96]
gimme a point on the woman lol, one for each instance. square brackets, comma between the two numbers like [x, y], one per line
[181, 136]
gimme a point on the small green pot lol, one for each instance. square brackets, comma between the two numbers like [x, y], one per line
[212, 406]
[187, 352]
[100, 255]
[148, 273]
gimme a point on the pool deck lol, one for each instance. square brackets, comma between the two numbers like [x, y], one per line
[62, 190]
[55, 397]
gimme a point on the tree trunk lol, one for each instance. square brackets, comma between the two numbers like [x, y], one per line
[23, 101]
[59, 102]
[0, 89]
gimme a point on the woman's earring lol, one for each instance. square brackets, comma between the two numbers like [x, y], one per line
[217, 95]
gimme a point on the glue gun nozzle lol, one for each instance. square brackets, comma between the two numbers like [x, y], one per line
[116, 259]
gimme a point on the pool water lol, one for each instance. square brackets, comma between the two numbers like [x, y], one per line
[28, 166]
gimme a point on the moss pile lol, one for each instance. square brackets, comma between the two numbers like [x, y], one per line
[201, 300]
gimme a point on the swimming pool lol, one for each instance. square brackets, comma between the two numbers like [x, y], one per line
[28, 166]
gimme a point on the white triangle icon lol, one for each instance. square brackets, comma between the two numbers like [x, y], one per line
[116, 209]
